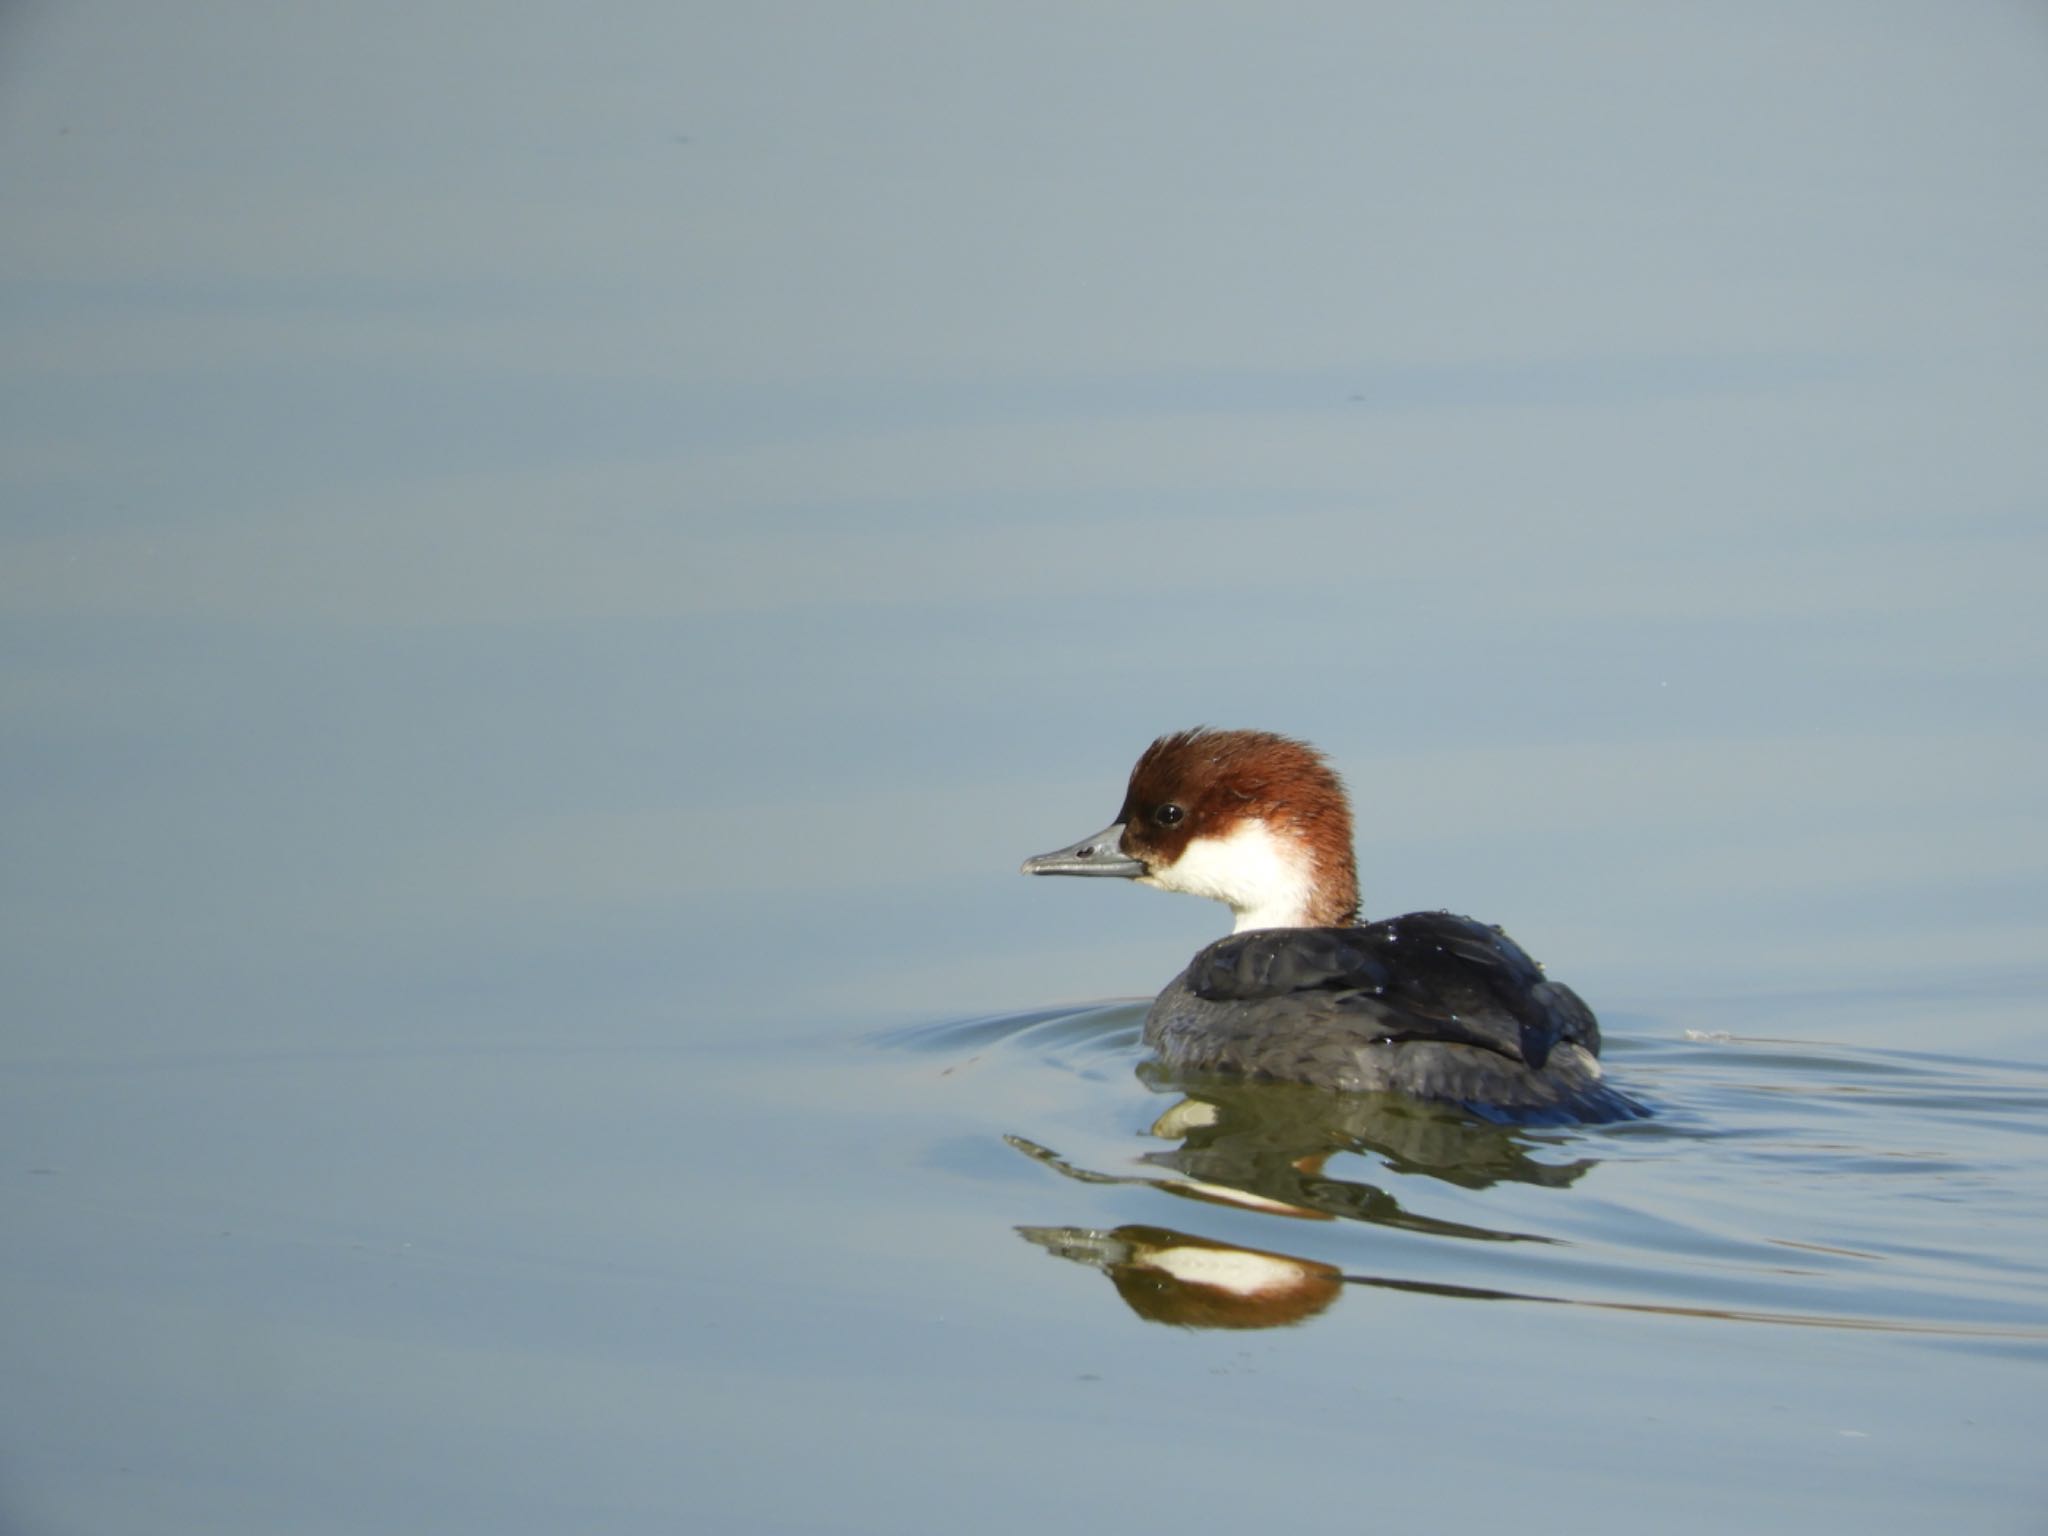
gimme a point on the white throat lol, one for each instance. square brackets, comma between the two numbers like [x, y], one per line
[1265, 879]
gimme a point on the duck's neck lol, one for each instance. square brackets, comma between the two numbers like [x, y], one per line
[1268, 878]
[1320, 900]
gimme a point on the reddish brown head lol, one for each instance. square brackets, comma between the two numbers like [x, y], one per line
[1237, 814]
[1247, 818]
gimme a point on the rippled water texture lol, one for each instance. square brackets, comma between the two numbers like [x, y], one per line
[1779, 1183]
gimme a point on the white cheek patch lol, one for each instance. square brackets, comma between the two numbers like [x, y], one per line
[1265, 880]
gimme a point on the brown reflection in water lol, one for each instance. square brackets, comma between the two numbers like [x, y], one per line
[1264, 1147]
[1166, 1276]
[1169, 1277]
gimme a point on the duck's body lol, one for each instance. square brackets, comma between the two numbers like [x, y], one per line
[1429, 1005]
[1438, 1007]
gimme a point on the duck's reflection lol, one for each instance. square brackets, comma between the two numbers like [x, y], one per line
[1170, 1277]
[1272, 1149]
[1267, 1147]
[1192, 1282]
[1273, 1139]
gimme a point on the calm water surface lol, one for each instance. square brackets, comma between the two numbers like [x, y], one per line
[994, 1269]
[552, 564]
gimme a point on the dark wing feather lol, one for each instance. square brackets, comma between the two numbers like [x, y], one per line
[1426, 976]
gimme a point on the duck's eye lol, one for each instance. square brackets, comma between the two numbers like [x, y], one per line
[1166, 815]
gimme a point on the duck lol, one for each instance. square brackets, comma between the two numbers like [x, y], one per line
[1430, 1006]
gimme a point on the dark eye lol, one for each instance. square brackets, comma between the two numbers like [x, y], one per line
[1166, 815]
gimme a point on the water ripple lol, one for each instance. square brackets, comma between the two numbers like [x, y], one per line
[1781, 1182]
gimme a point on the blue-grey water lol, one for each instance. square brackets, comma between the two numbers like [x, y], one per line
[554, 560]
